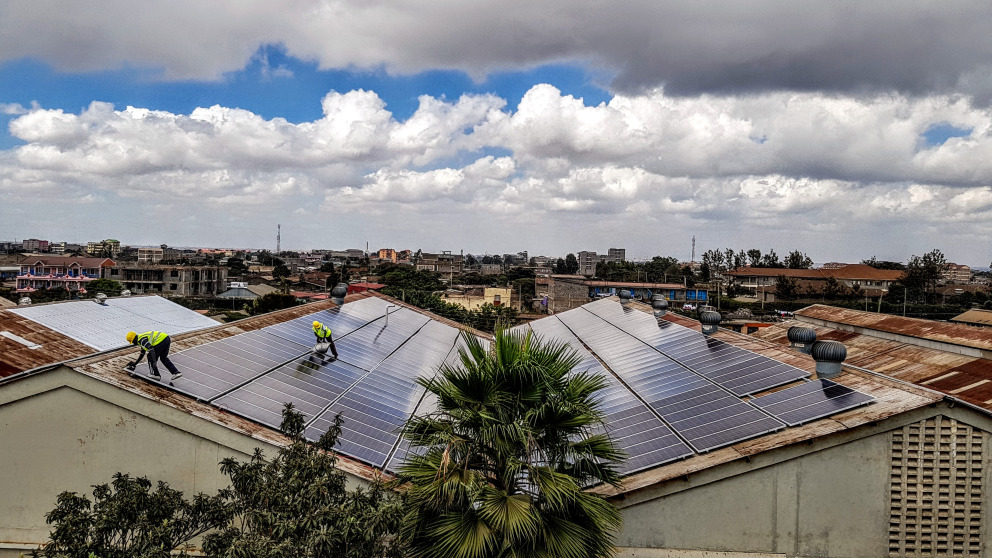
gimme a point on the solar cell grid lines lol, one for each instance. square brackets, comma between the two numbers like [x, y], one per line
[645, 439]
[308, 383]
[738, 370]
[375, 410]
[213, 368]
[810, 401]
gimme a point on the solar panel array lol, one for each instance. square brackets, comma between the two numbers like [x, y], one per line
[670, 392]
[104, 326]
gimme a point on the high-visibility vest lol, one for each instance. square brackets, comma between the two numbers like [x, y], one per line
[322, 331]
[149, 339]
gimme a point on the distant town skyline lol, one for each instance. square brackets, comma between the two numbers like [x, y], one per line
[841, 131]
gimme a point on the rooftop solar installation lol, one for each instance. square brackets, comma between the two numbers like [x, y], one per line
[704, 414]
[104, 326]
[736, 369]
[810, 401]
[646, 440]
[670, 392]
[375, 410]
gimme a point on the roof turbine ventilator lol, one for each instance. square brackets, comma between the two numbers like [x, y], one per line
[828, 356]
[126, 292]
[801, 338]
[338, 293]
[100, 299]
[624, 296]
[711, 321]
[660, 305]
[24, 301]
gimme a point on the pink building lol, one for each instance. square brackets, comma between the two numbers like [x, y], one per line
[52, 272]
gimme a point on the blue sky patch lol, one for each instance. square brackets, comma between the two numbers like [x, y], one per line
[939, 133]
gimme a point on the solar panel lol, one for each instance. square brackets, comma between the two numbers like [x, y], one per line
[740, 371]
[376, 408]
[636, 430]
[701, 412]
[310, 384]
[213, 368]
[104, 327]
[810, 401]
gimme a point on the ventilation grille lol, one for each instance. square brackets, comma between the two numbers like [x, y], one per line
[936, 506]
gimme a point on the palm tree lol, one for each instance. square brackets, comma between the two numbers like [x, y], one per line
[499, 469]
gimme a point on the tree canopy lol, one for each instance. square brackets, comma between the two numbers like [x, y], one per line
[516, 437]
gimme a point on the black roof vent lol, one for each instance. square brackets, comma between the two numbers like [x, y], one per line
[801, 338]
[828, 356]
[710, 320]
[624, 296]
[338, 293]
[660, 305]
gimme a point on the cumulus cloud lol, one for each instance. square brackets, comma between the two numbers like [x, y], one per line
[740, 165]
[720, 47]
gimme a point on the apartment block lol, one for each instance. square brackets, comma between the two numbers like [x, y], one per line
[54, 272]
[170, 280]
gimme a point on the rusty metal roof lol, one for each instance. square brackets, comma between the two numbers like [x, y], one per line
[974, 316]
[965, 377]
[25, 344]
[955, 334]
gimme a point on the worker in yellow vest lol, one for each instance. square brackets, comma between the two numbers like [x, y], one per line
[323, 334]
[156, 344]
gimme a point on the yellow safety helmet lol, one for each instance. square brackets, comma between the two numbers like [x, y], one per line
[130, 336]
[316, 324]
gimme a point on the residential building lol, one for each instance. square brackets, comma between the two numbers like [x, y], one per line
[387, 254]
[761, 281]
[52, 272]
[472, 298]
[490, 269]
[157, 255]
[64, 247]
[587, 263]
[110, 248]
[616, 255]
[565, 292]
[169, 280]
[34, 245]
[444, 263]
[957, 273]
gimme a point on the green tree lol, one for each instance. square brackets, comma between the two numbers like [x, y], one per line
[270, 302]
[786, 288]
[127, 518]
[236, 267]
[754, 257]
[798, 260]
[924, 274]
[882, 264]
[516, 437]
[298, 506]
[571, 264]
[108, 287]
[280, 271]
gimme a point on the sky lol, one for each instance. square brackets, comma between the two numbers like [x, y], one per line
[842, 129]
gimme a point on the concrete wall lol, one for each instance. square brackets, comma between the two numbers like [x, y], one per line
[828, 503]
[62, 430]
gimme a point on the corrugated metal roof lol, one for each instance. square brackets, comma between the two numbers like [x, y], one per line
[852, 271]
[49, 346]
[974, 316]
[104, 326]
[966, 377]
[944, 332]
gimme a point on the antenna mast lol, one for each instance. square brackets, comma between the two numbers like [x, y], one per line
[278, 239]
[693, 260]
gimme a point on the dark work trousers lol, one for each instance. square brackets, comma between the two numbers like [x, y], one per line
[328, 340]
[161, 351]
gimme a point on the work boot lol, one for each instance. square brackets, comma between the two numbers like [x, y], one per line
[176, 376]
